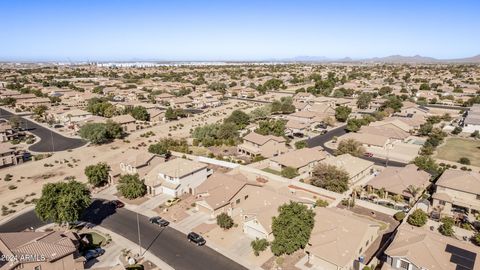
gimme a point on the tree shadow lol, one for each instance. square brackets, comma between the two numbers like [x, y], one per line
[98, 211]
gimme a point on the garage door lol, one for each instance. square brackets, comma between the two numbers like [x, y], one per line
[252, 232]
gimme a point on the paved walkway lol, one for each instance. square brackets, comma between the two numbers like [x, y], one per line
[192, 221]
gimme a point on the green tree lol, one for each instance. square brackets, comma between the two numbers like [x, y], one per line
[393, 102]
[97, 174]
[330, 177]
[364, 100]
[289, 172]
[350, 146]
[291, 228]
[8, 101]
[418, 218]
[259, 245]
[476, 239]
[224, 221]
[342, 113]
[218, 87]
[170, 114]
[40, 110]
[446, 228]
[140, 113]
[260, 113]
[301, 144]
[131, 187]
[283, 106]
[426, 163]
[239, 118]
[272, 127]
[99, 133]
[165, 145]
[62, 202]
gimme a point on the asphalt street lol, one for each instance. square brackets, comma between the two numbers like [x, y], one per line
[320, 140]
[168, 244]
[50, 141]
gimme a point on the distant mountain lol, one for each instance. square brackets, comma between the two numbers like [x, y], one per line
[400, 59]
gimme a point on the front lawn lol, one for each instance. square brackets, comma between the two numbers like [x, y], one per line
[272, 171]
[456, 148]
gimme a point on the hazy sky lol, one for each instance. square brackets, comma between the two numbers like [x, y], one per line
[236, 30]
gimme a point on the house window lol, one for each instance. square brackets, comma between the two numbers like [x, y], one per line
[404, 265]
[38, 267]
[238, 201]
[443, 202]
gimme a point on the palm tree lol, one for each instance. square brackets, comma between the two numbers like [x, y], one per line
[414, 191]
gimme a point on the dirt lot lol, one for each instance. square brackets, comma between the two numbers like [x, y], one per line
[456, 148]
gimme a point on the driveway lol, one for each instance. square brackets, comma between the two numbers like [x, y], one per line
[50, 141]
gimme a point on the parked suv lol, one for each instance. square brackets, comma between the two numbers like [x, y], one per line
[196, 238]
[159, 221]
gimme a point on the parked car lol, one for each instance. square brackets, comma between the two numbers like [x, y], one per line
[118, 204]
[159, 221]
[323, 132]
[196, 238]
[367, 154]
[93, 253]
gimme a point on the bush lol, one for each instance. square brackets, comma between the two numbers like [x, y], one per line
[301, 144]
[476, 239]
[446, 228]
[289, 172]
[224, 221]
[418, 218]
[399, 216]
[321, 203]
[464, 161]
[259, 245]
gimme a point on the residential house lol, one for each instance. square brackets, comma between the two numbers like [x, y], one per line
[54, 250]
[340, 239]
[458, 191]
[255, 144]
[356, 168]
[379, 142]
[126, 121]
[134, 161]
[71, 117]
[180, 102]
[398, 181]
[6, 132]
[416, 248]
[303, 160]
[215, 195]
[304, 97]
[156, 115]
[176, 177]
[9, 156]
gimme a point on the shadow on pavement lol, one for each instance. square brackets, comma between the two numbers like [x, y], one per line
[98, 211]
[153, 241]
